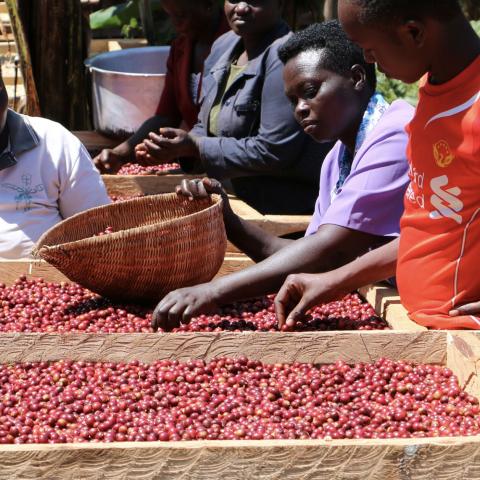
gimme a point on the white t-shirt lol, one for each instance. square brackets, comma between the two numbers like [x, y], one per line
[53, 179]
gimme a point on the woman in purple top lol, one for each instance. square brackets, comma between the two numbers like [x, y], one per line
[362, 182]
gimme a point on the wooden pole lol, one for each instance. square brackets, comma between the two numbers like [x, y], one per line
[54, 31]
[33, 103]
[330, 9]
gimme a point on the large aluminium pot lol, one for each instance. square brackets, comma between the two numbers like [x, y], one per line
[126, 87]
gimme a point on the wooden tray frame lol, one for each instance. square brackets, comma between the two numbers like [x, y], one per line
[384, 300]
[406, 459]
[126, 185]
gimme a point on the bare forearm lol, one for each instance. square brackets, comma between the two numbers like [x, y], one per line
[374, 266]
[328, 249]
[251, 239]
[127, 148]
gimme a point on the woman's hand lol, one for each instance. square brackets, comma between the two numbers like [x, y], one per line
[300, 293]
[467, 309]
[202, 188]
[181, 305]
[169, 144]
[107, 161]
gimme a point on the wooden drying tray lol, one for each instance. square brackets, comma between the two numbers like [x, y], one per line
[124, 185]
[10, 270]
[385, 301]
[130, 185]
[422, 459]
[127, 185]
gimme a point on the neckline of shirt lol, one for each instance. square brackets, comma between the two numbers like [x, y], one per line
[463, 77]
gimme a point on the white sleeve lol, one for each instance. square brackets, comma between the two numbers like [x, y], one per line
[81, 186]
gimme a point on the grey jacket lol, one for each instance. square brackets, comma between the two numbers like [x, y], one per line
[272, 164]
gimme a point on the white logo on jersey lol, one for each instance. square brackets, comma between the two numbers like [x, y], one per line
[445, 201]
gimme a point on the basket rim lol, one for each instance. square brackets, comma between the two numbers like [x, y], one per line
[216, 199]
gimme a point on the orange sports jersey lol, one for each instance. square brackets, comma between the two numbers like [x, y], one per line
[439, 255]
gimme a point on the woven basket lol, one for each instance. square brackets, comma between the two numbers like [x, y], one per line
[160, 243]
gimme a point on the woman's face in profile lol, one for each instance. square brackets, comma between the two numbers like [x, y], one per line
[324, 102]
[253, 16]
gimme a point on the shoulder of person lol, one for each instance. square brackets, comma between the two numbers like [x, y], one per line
[225, 40]
[54, 137]
[45, 127]
[276, 44]
[272, 51]
[394, 121]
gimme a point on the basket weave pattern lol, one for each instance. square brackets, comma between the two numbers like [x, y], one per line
[160, 243]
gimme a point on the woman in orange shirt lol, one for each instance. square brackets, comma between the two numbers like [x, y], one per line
[436, 258]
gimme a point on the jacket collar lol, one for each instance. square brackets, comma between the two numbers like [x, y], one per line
[225, 60]
[22, 135]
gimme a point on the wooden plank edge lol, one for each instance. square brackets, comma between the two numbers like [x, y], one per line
[10, 270]
[94, 141]
[463, 358]
[448, 459]
[127, 185]
[207, 444]
[268, 347]
[386, 302]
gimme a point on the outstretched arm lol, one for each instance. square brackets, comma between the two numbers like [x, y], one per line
[110, 160]
[301, 292]
[329, 248]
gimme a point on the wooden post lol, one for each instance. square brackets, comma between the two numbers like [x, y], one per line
[33, 104]
[472, 9]
[54, 31]
[330, 9]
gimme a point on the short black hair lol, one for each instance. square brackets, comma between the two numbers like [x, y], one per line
[380, 11]
[340, 54]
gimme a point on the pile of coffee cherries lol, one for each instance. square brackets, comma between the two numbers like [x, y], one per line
[136, 169]
[34, 305]
[39, 306]
[350, 313]
[227, 399]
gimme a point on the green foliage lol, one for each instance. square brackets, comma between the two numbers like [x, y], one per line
[392, 89]
[476, 26]
[124, 16]
[157, 27]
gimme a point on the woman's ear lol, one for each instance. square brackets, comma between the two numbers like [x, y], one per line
[359, 77]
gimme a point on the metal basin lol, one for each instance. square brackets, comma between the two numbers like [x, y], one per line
[126, 87]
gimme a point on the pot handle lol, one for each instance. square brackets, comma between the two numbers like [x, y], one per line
[88, 64]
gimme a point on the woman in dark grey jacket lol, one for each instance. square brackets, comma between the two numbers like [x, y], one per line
[246, 132]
